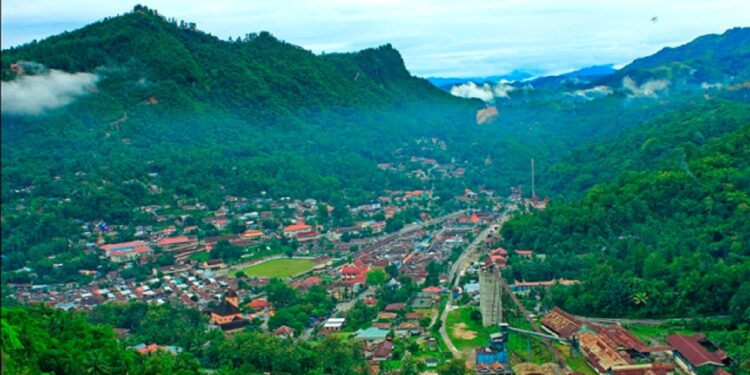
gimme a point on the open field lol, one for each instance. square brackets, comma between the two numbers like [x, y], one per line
[284, 267]
[465, 332]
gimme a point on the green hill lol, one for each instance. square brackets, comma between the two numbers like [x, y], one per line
[676, 233]
[710, 58]
[227, 112]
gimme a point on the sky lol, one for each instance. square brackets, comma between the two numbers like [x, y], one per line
[442, 38]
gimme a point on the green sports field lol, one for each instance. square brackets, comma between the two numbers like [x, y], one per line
[285, 267]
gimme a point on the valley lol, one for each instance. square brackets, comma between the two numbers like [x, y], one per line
[195, 204]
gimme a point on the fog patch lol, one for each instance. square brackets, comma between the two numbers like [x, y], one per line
[711, 86]
[471, 90]
[596, 92]
[648, 89]
[485, 92]
[32, 95]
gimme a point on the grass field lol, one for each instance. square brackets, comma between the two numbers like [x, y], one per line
[283, 267]
[465, 332]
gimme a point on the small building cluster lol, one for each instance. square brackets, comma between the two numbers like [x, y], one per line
[613, 350]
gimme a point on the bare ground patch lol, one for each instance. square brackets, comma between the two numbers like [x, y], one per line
[460, 331]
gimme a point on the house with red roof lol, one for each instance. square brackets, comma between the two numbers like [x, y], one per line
[308, 282]
[696, 351]
[220, 223]
[474, 219]
[395, 307]
[252, 234]
[383, 351]
[126, 251]
[123, 246]
[354, 274]
[308, 236]
[153, 348]
[525, 253]
[258, 304]
[416, 195]
[293, 230]
[179, 243]
[499, 257]
[284, 332]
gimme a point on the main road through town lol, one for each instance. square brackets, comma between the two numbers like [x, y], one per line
[471, 254]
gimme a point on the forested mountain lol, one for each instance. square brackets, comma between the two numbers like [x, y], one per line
[664, 141]
[667, 240]
[147, 110]
[232, 113]
[709, 59]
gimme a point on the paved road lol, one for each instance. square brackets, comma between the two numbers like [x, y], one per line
[457, 269]
[344, 306]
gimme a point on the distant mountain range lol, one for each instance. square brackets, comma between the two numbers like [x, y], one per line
[595, 71]
[710, 60]
[516, 75]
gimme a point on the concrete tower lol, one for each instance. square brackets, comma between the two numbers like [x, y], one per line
[490, 296]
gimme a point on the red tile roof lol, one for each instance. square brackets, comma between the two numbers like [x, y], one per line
[624, 339]
[353, 270]
[137, 250]
[499, 252]
[259, 304]
[384, 350]
[299, 227]
[174, 240]
[414, 315]
[693, 350]
[395, 307]
[310, 281]
[284, 330]
[644, 369]
[561, 322]
[121, 245]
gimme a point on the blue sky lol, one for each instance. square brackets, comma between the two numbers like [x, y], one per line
[449, 38]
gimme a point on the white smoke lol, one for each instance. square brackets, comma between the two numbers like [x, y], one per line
[486, 92]
[648, 89]
[34, 94]
[592, 93]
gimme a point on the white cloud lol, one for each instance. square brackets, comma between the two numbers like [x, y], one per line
[648, 89]
[34, 94]
[503, 89]
[485, 92]
[471, 90]
[592, 93]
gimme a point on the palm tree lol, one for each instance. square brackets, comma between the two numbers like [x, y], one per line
[640, 298]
